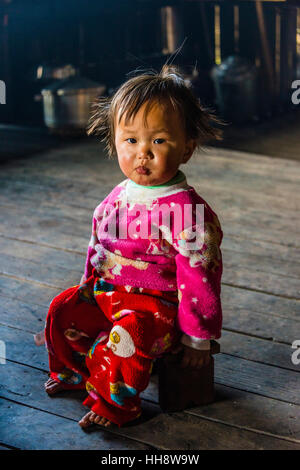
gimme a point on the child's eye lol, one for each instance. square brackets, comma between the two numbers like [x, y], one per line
[131, 140]
[159, 141]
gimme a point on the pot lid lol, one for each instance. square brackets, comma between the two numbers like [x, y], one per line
[234, 68]
[73, 84]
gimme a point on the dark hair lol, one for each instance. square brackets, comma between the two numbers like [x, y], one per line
[167, 85]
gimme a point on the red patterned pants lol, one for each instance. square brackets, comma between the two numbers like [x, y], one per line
[104, 338]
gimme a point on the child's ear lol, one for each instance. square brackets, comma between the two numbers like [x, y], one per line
[189, 150]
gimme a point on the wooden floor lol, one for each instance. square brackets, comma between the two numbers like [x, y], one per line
[46, 203]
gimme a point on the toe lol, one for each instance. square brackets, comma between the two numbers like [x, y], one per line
[53, 387]
[85, 421]
[92, 416]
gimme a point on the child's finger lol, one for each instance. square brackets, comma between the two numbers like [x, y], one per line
[199, 363]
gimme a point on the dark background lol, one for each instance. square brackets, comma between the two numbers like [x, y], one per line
[106, 40]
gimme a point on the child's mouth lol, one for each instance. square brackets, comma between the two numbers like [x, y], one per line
[142, 170]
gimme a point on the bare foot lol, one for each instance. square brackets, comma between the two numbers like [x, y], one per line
[52, 387]
[92, 418]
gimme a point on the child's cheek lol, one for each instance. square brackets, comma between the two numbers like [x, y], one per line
[126, 160]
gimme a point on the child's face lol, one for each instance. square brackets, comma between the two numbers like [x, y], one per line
[150, 153]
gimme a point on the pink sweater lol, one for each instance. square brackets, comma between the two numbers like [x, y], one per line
[131, 244]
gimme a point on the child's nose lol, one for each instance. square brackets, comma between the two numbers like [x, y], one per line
[144, 152]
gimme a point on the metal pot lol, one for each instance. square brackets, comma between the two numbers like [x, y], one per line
[67, 102]
[46, 73]
[236, 89]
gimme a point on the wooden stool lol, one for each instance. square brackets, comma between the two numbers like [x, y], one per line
[181, 388]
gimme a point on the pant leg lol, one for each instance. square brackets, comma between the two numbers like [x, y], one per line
[120, 363]
[73, 323]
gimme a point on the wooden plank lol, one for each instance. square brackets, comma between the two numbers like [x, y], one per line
[31, 429]
[30, 354]
[163, 431]
[244, 410]
[260, 302]
[260, 248]
[248, 230]
[47, 231]
[240, 190]
[255, 164]
[262, 379]
[238, 195]
[48, 228]
[26, 291]
[251, 411]
[259, 350]
[261, 263]
[261, 325]
[261, 280]
[46, 256]
[24, 316]
[46, 274]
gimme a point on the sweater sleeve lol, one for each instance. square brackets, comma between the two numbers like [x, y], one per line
[199, 271]
[91, 251]
[93, 256]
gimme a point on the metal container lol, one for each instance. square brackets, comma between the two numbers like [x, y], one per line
[235, 83]
[46, 73]
[67, 102]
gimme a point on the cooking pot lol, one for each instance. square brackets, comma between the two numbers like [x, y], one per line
[67, 102]
[45, 73]
[236, 89]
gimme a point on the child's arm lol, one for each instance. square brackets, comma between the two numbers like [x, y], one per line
[199, 287]
[92, 259]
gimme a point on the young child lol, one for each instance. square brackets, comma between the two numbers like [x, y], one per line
[144, 292]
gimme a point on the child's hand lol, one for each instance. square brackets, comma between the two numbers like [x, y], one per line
[83, 279]
[192, 357]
